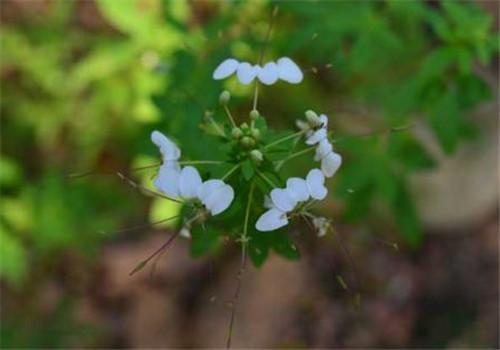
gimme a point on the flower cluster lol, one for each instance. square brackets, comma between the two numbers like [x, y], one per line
[284, 69]
[250, 153]
[317, 134]
[186, 183]
[284, 201]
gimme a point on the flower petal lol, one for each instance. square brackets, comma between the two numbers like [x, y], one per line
[317, 136]
[225, 69]
[315, 183]
[330, 164]
[220, 199]
[289, 71]
[297, 189]
[269, 73]
[189, 182]
[168, 149]
[271, 220]
[246, 72]
[207, 188]
[323, 149]
[324, 120]
[282, 200]
[167, 181]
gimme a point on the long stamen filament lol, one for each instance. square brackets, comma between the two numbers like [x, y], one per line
[188, 162]
[283, 139]
[137, 227]
[296, 154]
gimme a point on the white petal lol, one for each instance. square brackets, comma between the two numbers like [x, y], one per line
[225, 69]
[207, 188]
[246, 73]
[317, 136]
[168, 149]
[315, 183]
[271, 220]
[269, 73]
[324, 120]
[289, 71]
[297, 189]
[189, 182]
[220, 199]
[323, 149]
[330, 164]
[282, 200]
[167, 181]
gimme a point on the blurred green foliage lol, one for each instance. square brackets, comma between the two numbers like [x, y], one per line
[83, 92]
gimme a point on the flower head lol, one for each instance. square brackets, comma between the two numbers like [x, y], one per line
[186, 183]
[317, 134]
[282, 201]
[284, 69]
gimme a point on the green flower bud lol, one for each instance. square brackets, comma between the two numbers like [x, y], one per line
[224, 97]
[247, 141]
[256, 156]
[236, 133]
[244, 126]
[207, 116]
[255, 134]
[254, 114]
[313, 119]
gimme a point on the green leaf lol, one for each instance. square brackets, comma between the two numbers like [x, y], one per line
[258, 248]
[282, 245]
[247, 169]
[204, 240]
[13, 258]
[445, 121]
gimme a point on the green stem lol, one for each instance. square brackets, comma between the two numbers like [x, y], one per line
[255, 96]
[230, 172]
[247, 212]
[188, 162]
[266, 179]
[296, 154]
[244, 241]
[229, 115]
[283, 139]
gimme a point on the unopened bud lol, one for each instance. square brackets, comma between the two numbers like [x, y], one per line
[247, 141]
[207, 116]
[313, 119]
[254, 114]
[224, 97]
[255, 134]
[256, 156]
[244, 126]
[236, 133]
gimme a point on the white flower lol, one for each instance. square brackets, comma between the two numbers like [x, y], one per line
[186, 183]
[283, 201]
[168, 149]
[284, 69]
[215, 195]
[330, 160]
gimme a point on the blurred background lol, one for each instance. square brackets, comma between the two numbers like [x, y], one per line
[83, 83]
